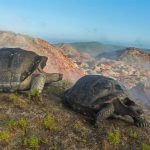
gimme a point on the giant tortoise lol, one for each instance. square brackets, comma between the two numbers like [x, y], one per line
[102, 97]
[22, 70]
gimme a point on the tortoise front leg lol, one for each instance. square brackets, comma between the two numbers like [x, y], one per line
[139, 121]
[38, 82]
[104, 113]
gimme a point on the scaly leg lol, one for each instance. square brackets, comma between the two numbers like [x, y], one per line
[104, 113]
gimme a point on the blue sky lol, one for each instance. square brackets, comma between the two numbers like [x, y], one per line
[114, 21]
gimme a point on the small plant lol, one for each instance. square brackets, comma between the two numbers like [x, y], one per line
[80, 129]
[25, 142]
[12, 124]
[133, 134]
[17, 101]
[34, 142]
[55, 147]
[49, 123]
[145, 146]
[34, 95]
[4, 135]
[114, 137]
[23, 123]
[44, 141]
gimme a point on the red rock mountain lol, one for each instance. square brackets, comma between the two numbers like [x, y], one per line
[57, 61]
[75, 55]
[135, 55]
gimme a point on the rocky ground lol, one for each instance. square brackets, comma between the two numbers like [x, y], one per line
[31, 122]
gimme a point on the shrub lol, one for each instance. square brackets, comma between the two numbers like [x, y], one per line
[133, 134]
[49, 123]
[35, 95]
[34, 142]
[145, 146]
[23, 123]
[4, 135]
[114, 136]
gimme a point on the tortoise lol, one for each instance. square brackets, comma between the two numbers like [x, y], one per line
[22, 70]
[102, 97]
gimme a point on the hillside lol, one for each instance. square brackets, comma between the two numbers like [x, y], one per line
[130, 67]
[57, 61]
[46, 123]
[94, 48]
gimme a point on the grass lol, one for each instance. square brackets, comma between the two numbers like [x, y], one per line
[23, 123]
[17, 101]
[133, 134]
[32, 142]
[5, 135]
[80, 129]
[114, 137]
[49, 123]
[35, 95]
[145, 146]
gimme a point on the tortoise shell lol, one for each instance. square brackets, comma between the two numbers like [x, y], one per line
[16, 65]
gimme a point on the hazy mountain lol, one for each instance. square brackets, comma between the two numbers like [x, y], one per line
[94, 48]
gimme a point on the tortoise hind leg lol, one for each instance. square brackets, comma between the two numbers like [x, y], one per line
[104, 113]
[38, 82]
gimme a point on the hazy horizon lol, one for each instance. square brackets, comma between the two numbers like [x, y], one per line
[123, 22]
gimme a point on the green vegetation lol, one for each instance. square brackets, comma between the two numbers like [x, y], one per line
[17, 101]
[145, 146]
[23, 123]
[80, 129]
[35, 95]
[55, 147]
[49, 123]
[114, 137]
[32, 142]
[5, 135]
[12, 124]
[133, 134]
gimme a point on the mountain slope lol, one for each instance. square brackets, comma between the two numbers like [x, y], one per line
[57, 62]
[94, 48]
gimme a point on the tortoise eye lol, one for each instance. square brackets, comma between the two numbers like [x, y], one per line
[118, 87]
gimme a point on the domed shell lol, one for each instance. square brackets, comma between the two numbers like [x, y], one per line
[91, 90]
[16, 65]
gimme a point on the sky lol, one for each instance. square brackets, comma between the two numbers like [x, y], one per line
[112, 21]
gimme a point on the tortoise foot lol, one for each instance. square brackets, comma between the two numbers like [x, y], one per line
[141, 122]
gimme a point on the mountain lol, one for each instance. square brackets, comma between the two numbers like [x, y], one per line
[130, 66]
[134, 55]
[94, 48]
[57, 61]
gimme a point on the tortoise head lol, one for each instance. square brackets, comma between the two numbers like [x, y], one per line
[133, 105]
[128, 102]
[43, 60]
